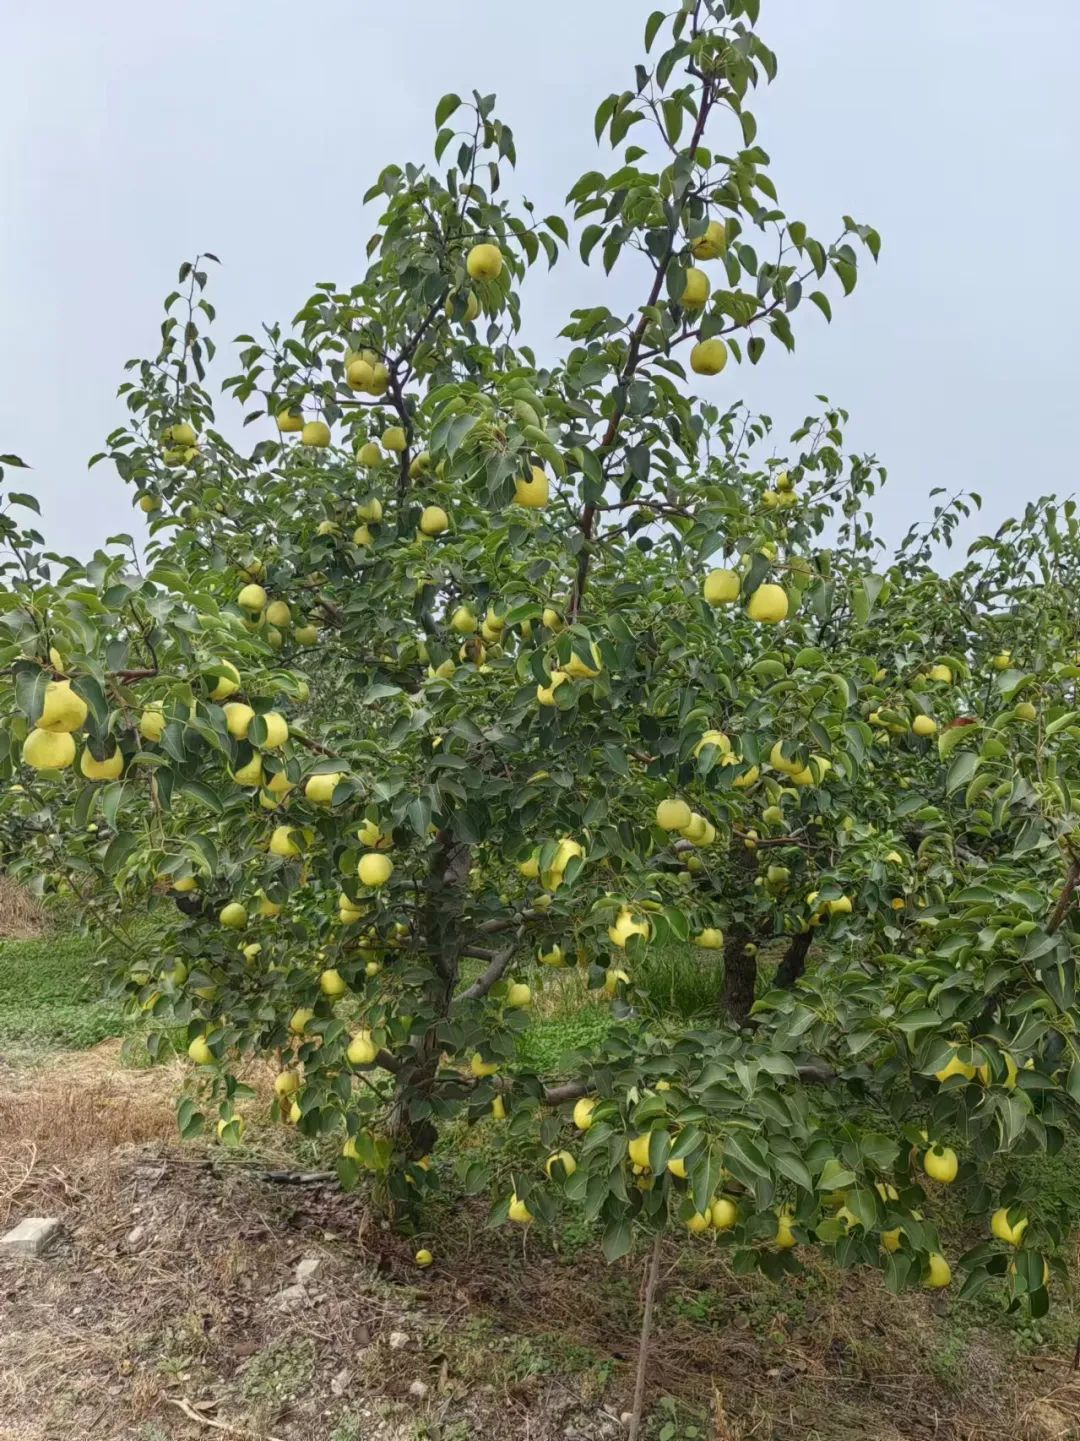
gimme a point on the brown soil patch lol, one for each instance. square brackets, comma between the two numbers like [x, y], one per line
[161, 1312]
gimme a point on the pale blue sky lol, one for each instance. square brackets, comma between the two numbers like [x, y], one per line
[132, 135]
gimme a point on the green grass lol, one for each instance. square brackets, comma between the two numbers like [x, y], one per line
[50, 996]
[680, 980]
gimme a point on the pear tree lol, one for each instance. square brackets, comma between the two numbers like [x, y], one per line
[480, 671]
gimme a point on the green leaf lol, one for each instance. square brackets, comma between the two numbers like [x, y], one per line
[445, 108]
[618, 1238]
[120, 849]
[652, 25]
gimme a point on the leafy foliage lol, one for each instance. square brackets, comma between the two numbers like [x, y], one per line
[494, 572]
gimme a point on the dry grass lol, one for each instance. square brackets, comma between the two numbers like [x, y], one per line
[22, 917]
[107, 1335]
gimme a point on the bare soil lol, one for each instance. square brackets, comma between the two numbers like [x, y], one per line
[170, 1310]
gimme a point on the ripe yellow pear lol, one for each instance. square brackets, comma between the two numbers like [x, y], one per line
[362, 1050]
[713, 243]
[286, 1083]
[638, 1150]
[724, 1214]
[200, 1052]
[583, 1112]
[484, 262]
[434, 520]
[238, 718]
[283, 841]
[673, 814]
[518, 995]
[626, 926]
[278, 613]
[300, 1019]
[518, 1211]
[180, 434]
[560, 1158]
[359, 374]
[708, 357]
[62, 709]
[698, 1223]
[1003, 660]
[224, 685]
[152, 723]
[233, 915]
[768, 604]
[48, 751]
[785, 1234]
[710, 939]
[580, 669]
[840, 907]
[374, 869]
[481, 1068]
[423, 1257]
[332, 983]
[316, 433]
[251, 597]
[277, 730]
[713, 738]
[924, 726]
[940, 1164]
[370, 510]
[721, 587]
[696, 829]
[677, 1166]
[531, 492]
[463, 620]
[393, 439]
[319, 789]
[1000, 1227]
[545, 694]
[498, 1109]
[1025, 711]
[938, 1272]
[251, 773]
[941, 673]
[185, 884]
[288, 423]
[368, 454]
[955, 1067]
[106, 770]
[695, 290]
[472, 308]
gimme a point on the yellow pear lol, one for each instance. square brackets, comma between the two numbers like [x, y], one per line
[531, 492]
[708, 357]
[277, 730]
[1004, 1231]
[481, 1068]
[940, 1164]
[434, 520]
[106, 770]
[768, 604]
[362, 1050]
[252, 597]
[251, 773]
[695, 290]
[233, 915]
[200, 1052]
[938, 1272]
[563, 1159]
[518, 1211]
[48, 750]
[316, 433]
[62, 710]
[332, 983]
[319, 789]
[724, 1214]
[287, 422]
[721, 587]
[374, 869]
[484, 262]
[393, 439]
[713, 243]
[583, 1112]
[673, 814]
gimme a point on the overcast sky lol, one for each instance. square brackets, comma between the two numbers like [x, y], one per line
[133, 135]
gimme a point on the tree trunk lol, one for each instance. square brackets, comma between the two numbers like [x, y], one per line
[444, 902]
[794, 963]
[740, 976]
[643, 1342]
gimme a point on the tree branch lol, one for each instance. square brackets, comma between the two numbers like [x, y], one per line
[495, 972]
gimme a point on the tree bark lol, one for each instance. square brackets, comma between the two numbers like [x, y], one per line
[794, 963]
[740, 976]
[643, 1343]
[444, 902]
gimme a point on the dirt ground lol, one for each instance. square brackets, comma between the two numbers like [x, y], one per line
[171, 1308]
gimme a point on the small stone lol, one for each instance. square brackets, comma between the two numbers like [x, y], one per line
[31, 1237]
[398, 1340]
[291, 1296]
[626, 1417]
[418, 1389]
[135, 1239]
[340, 1383]
[308, 1269]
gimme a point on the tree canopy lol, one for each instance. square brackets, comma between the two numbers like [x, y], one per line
[477, 666]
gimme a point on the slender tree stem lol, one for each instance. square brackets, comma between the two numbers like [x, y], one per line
[646, 1332]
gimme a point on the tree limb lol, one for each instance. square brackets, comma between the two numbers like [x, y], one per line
[494, 972]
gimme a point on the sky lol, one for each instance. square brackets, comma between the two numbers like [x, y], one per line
[133, 136]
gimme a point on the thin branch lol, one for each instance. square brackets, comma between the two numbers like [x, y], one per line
[494, 973]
